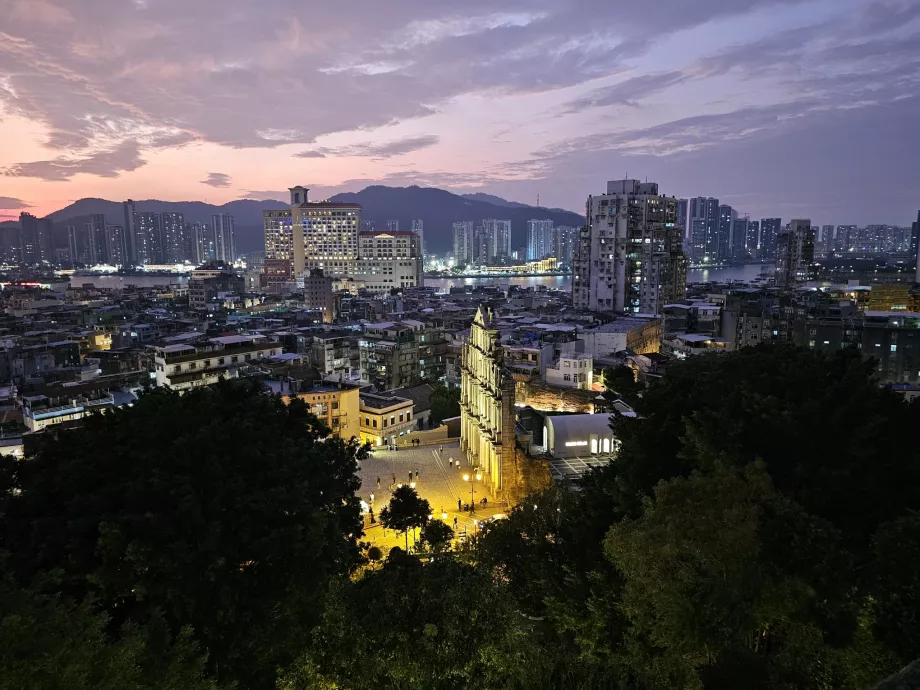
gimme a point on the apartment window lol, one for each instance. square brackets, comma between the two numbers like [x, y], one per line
[192, 365]
[375, 423]
[393, 419]
[400, 417]
[567, 377]
[335, 406]
[177, 369]
[367, 421]
[384, 422]
[567, 364]
[234, 359]
[408, 416]
[335, 421]
[221, 360]
[894, 348]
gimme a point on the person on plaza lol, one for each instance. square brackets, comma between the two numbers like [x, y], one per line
[416, 475]
[378, 483]
[440, 449]
[451, 461]
[394, 479]
[459, 505]
[372, 498]
[455, 524]
[373, 519]
[410, 477]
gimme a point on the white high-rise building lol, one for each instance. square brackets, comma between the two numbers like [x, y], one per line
[630, 256]
[539, 239]
[224, 240]
[493, 241]
[389, 260]
[464, 243]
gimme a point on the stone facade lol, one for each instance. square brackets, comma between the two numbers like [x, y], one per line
[487, 406]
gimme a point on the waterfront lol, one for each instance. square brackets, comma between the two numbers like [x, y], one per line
[110, 281]
[744, 273]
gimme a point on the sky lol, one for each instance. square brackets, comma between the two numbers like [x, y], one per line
[783, 108]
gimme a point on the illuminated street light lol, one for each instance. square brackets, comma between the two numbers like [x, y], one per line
[468, 478]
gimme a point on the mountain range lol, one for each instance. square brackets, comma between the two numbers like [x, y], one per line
[437, 208]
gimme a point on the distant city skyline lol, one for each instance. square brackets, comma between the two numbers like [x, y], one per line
[783, 108]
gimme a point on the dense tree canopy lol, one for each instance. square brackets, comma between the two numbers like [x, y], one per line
[47, 643]
[445, 403]
[223, 508]
[442, 625]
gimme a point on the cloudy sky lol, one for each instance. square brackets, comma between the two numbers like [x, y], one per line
[779, 107]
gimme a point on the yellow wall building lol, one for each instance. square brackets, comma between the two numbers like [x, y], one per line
[385, 418]
[337, 404]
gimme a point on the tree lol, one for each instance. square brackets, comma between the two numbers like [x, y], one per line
[727, 582]
[445, 404]
[440, 625]
[47, 643]
[621, 379]
[896, 585]
[224, 508]
[831, 438]
[437, 535]
[405, 511]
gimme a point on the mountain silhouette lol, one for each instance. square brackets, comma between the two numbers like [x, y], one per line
[437, 208]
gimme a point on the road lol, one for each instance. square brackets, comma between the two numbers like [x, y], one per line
[438, 483]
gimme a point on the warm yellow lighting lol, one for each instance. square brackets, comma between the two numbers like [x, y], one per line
[466, 477]
[478, 477]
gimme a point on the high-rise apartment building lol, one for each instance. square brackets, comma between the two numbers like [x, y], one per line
[795, 254]
[172, 234]
[739, 238]
[630, 256]
[846, 238]
[769, 229]
[115, 244]
[704, 229]
[539, 239]
[493, 241]
[130, 234]
[31, 245]
[915, 246]
[753, 238]
[147, 240]
[464, 243]
[279, 235]
[418, 227]
[727, 217]
[98, 239]
[565, 239]
[683, 214]
[224, 238]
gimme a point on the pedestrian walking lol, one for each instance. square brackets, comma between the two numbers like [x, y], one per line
[416, 475]
[394, 479]
[378, 483]
[451, 461]
[373, 519]
[455, 524]
[459, 505]
[410, 477]
[372, 498]
[440, 449]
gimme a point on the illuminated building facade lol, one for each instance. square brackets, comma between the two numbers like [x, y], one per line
[487, 404]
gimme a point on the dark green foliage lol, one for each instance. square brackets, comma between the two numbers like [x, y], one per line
[622, 380]
[223, 508]
[441, 625]
[437, 535]
[897, 585]
[405, 511]
[47, 643]
[445, 403]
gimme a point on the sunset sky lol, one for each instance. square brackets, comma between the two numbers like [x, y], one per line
[786, 108]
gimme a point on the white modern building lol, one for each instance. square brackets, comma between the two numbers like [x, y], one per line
[182, 367]
[464, 243]
[574, 435]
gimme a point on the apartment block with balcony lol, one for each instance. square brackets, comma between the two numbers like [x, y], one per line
[389, 355]
[331, 352]
[185, 366]
[385, 417]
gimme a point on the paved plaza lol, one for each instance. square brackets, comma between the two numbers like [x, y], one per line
[437, 483]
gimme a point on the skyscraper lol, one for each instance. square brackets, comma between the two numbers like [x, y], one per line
[147, 241]
[493, 241]
[464, 243]
[727, 216]
[795, 254]
[31, 252]
[418, 227]
[223, 237]
[172, 231]
[630, 256]
[115, 244]
[915, 246]
[704, 229]
[539, 239]
[564, 240]
[846, 238]
[683, 214]
[739, 239]
[129, 235]
[279, 237]
[99, 244]
[753, 239]
[769, 229]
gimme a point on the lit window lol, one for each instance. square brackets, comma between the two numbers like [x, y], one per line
[894, 348]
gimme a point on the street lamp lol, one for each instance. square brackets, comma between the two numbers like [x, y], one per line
[470, 479]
